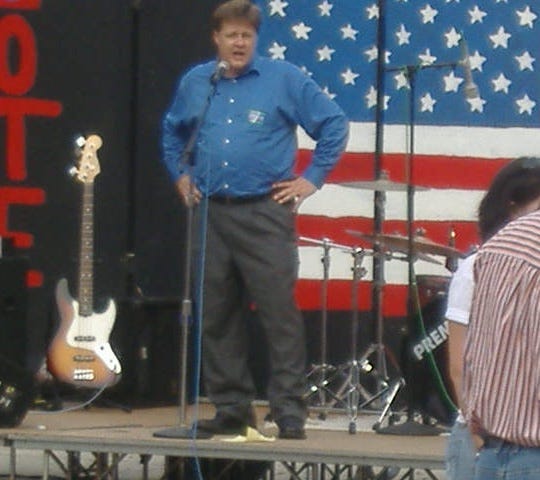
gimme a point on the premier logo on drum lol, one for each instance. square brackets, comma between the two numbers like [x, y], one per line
[433, 338]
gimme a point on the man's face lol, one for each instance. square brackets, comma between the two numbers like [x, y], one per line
[235, 43]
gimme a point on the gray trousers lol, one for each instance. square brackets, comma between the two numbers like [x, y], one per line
[251, 249]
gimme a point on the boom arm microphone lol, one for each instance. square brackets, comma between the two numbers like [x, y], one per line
[221, 68]
[470, 89]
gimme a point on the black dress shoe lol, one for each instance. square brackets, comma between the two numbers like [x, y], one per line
[223, 424]
[291, 427]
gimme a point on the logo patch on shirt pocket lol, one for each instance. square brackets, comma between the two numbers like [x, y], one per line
[256, 117]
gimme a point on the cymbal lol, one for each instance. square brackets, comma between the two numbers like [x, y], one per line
[405, 258]
[381, 184]
[327, 243]
[400, 243]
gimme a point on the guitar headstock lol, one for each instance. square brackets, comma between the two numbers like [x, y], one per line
[88, 164]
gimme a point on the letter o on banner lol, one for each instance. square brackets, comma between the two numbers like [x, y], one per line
[14, 28]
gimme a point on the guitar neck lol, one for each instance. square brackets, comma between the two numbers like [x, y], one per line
[86, 253]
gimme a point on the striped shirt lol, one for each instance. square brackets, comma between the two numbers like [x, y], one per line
[501, 384]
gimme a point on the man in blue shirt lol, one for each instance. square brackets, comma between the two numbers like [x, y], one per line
[242, 163]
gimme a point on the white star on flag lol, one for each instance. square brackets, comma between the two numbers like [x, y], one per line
[402, 81]
[349, 77]
[526, 17]
[501, 83]
[477, 15]
[477, 61]
[349, 32]
[372, 11]
[428, 14]
[451, 82]
[427, 103]
[452, 38]
[325, 53]
[526, 105]
[325, 8]
[301, 31]
[403, 35]
[277, 7]
[500, 39]
[277, 51]
[426, 58]
[525, 61]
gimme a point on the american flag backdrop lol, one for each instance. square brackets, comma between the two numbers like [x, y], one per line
[460, 140]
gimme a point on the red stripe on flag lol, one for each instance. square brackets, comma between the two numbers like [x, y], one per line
[434, 171]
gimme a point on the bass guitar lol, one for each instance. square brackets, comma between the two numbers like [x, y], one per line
[80, 353]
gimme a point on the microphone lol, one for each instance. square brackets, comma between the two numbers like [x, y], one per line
[470, 89]
[221, 68]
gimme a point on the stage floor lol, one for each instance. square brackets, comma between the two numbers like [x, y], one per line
[115, 433]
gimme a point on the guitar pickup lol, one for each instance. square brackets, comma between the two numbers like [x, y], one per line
[84, 358]
[85, 338]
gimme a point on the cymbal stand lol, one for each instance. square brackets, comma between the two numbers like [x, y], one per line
[352, 388]
[319, 373]
[352, 384]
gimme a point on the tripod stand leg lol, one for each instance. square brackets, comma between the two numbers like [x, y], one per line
[353, 397]
[390, 399]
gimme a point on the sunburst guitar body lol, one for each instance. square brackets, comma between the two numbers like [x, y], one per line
[80, 353]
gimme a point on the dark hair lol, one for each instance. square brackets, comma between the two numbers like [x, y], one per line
[235, 10]
[515, 185]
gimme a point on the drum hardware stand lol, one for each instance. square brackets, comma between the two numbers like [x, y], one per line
[352, 388]
[321, 371]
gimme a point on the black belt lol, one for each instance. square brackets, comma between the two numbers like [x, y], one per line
[226, 200]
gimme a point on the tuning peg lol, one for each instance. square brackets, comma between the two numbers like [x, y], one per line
[72, 171]
[80, 141]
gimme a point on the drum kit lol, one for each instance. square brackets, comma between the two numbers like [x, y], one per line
[330, 386]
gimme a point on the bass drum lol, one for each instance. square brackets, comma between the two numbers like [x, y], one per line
[427, 351]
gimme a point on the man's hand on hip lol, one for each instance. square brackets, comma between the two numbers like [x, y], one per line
[293, 190]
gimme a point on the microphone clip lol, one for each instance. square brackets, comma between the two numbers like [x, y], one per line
[221, 68]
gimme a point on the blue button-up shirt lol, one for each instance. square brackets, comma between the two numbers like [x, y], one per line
[247, 140]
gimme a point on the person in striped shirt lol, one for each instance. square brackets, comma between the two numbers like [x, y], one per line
[515, 191]
[501, 376]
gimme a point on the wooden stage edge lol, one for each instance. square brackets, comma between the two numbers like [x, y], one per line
[107, 430]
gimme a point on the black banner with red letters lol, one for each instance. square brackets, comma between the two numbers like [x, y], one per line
[80, 67]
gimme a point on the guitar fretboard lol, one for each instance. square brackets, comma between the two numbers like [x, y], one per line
[86, 252]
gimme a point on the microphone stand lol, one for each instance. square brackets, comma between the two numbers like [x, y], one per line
[182, 430]
[411, 427]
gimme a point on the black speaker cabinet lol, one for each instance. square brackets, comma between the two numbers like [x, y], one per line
[13, 309]
[16, 393]
[146, 340]
[16, 383]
